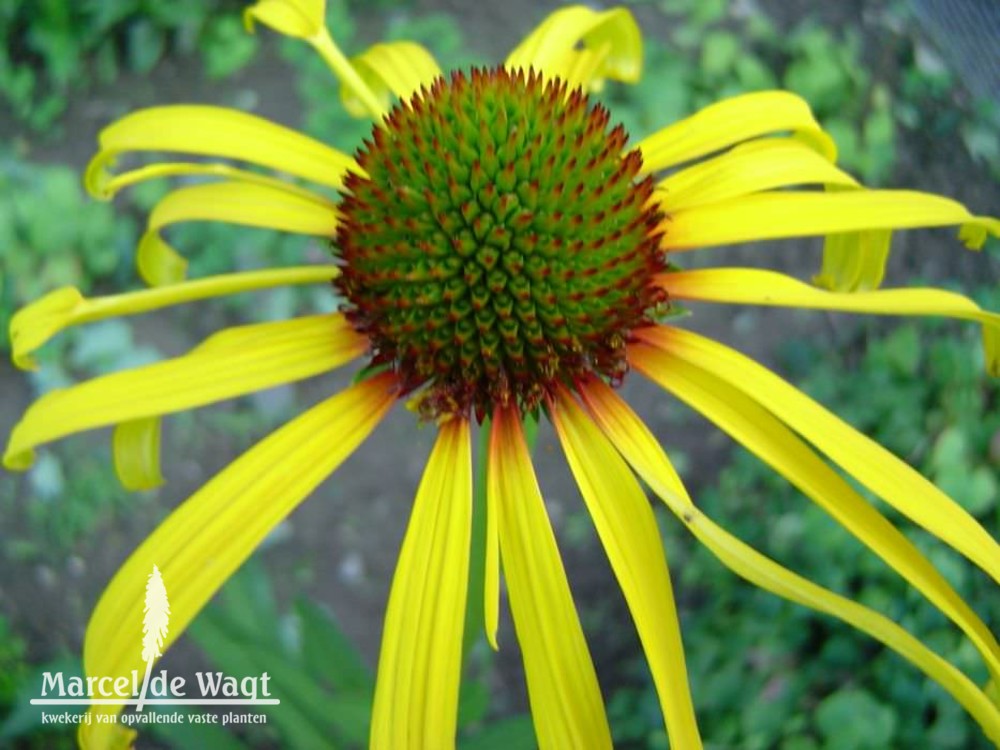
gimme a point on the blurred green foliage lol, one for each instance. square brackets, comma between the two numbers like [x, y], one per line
[712, 49]
[12, 666]
[51, 47]
[20, 722]
[52, 235]
[710, 53]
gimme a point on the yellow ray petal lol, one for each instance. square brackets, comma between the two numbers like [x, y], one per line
[136, 448]
[628, 531]
[892, 479]
[755, 287]
[231, 363]
[740, 415]
[634, 441]
[111, 184]
[778, 215]
[491, 565]
[209, 536]
[243, 203]
[566, 704]
[157, 262]
[582, 46]
[388, 69]
[641, 449]
[296, 18]
[854, 261]
[218, 132]
[582, 68]
[764, 164]
[33, 325]
[416, 694]
[731, 121]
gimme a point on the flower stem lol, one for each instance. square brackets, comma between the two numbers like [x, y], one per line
[346, 72]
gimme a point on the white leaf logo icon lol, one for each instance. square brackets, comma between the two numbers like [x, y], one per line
[155, 617]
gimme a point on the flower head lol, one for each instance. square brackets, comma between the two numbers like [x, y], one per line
[502, 249]
[498, 243]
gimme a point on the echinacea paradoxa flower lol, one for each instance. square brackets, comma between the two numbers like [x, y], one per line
[502, 251]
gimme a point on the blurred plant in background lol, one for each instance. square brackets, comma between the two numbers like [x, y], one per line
[51, 48]
[916, 391]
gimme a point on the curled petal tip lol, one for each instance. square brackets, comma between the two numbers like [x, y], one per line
[36, 323]
[97, 177]
[973, 235]
[302, 19]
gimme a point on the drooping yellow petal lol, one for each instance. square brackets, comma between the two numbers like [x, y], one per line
[854, 261]
[582, 46]
[748, 422]
[390, 69]
[136, 449]
[731, 121]
[33, 325]
[764, 164]
[243, 203]
[892, 479]
[566, 705]
[416, 693]
[633, 440]
[209, 536]
[641, 449]
[218, 132]
[231, 363]
[157, 262]
[628, 531]
[582, 69]
[112, 183]
[491, 565]
[802, 214]
[301, 19]
[750, 286]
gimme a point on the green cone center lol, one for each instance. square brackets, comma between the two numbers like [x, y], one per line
[501, 242]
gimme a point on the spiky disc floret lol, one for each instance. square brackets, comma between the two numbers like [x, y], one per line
[500, 243]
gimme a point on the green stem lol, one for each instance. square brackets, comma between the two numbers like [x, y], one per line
[343, 69]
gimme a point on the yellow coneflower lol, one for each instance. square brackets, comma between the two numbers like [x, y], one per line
[501, 251]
